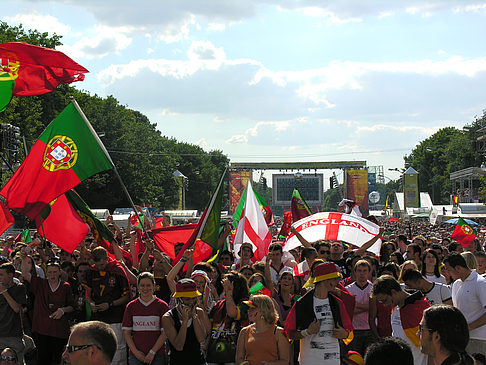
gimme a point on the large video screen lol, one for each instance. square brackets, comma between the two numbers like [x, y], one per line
[309, 185]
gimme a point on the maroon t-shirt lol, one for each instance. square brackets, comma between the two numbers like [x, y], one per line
[145, 322]
[47, 302]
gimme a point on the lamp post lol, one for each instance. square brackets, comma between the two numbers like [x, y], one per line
[184, 183]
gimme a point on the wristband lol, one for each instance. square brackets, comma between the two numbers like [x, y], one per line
[61, 310]
[304, 333]
[152, 352]
[183, 259]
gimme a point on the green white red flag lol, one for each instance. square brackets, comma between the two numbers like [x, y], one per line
[252, 227]
[266, 210]
[66, 153]
[463, 233]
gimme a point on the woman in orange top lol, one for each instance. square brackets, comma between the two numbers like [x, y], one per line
[262, 342]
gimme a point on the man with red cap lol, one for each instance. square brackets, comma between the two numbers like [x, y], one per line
[319, 319]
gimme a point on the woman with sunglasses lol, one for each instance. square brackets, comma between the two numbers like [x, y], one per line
[9, 357]
[53, 298]
[262, 342]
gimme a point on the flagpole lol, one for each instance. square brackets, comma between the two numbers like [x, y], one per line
[102, 146]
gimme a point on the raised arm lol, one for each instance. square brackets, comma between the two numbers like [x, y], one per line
[370, 243]
[301, 239]
[171, 276]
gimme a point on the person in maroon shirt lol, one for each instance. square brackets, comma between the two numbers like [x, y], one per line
[53, 298]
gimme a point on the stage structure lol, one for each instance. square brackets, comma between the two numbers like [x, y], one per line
[292, 175]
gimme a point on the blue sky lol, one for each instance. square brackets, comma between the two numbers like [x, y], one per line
[280, 80]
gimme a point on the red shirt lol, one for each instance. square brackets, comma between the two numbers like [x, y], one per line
[47, 302]
[145, 321]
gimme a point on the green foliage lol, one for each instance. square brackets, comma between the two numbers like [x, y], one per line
[18, 34]
[447, 150]
[331, 199]
[144, 158]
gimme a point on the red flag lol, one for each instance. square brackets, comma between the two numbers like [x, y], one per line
[299, 207]
[63, 226]
[166, 237]
[6, 219]
[463, 233]
[40, 69]
[287, 222]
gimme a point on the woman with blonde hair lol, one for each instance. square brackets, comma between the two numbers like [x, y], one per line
[409, 264]
[471, 261]
[262, 342]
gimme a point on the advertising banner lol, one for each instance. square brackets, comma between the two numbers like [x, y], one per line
[237, 183]
[357, 188]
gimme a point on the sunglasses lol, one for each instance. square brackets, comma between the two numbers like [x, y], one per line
[72, 348]
[8, 358]
[325, 252]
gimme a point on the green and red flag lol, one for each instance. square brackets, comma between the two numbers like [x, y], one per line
[206, 234]
[259, 288]
[61, 224]
[299, 207]
[267, 212]
[287, 222]
[27, 70]
[463, 233]
[66, 153]
[24, 236]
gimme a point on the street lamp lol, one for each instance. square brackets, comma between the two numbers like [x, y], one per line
[184, 184]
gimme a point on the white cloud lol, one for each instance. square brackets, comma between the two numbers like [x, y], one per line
[43, 23]
[238, 138]
[203, 143]
[106, 41]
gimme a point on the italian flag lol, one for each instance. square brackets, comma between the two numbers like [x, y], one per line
[463, 233]
[66, 153]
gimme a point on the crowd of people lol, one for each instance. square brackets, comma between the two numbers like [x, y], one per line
[422, 300]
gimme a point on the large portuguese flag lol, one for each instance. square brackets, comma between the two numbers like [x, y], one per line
[67, 152]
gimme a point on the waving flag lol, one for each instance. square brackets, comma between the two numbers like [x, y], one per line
[299, 207]
[205, 235]
[463, 233]
[62, 225]
[6, 219]
[267, 212]
[252, 227]
[166, 237]
[27, 70]
[66, 153]
[335, 227]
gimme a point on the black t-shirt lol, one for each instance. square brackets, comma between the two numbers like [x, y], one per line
[9, 320]
[105, 288]
[162, 290]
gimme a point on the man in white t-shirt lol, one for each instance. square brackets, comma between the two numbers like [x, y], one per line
[469, 296]
[361, 289]
[436, 293]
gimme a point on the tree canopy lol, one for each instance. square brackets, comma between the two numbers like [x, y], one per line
[144, 158]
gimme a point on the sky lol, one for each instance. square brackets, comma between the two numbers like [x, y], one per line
[273, 81]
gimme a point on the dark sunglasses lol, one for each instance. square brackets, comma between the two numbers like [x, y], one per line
[325, 252]
[8, 358]
[72, 348]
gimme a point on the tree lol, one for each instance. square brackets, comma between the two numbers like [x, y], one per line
[447, 150]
